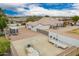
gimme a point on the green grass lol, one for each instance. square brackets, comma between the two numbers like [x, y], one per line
[75, 31]
[4, 45]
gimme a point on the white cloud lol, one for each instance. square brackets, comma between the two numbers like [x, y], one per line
[35, 9]
[20, 10]
[76, 6]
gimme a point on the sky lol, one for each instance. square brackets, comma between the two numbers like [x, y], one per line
[51, 9]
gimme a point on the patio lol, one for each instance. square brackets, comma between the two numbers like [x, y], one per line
[40, 43]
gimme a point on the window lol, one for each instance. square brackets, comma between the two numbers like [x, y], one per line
[50, 36]
[32, 26]
[53, 37]
[28, 45]
[56, 39]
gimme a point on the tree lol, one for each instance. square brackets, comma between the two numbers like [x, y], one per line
[3, 20]
[47, 16]
[1, 11]
[3, 23]
[75, 19]
[33, 18]
[4, 45]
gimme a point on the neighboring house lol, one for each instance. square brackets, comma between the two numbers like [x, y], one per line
[12, 29]
[18, 20]
[44, 23]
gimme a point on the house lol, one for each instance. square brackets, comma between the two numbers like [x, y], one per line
[41, 24]
[44, 23]
[63, 35]
[17, 19]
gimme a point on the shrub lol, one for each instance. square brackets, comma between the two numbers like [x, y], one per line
[4, 45]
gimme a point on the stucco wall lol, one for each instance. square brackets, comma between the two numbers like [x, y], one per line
[13, 51]
[43, 27]
[72, 51]
[34, 28]
[69, 40]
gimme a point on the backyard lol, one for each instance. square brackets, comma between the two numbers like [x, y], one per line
[75, 31]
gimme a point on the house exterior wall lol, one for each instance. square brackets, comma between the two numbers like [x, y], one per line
[69, 40]
[39, 26]
[28, 26]
[34, 28]
[43, 27]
